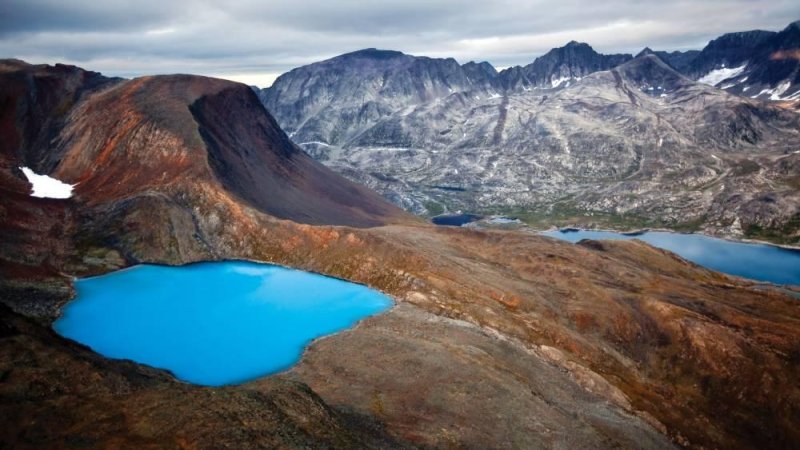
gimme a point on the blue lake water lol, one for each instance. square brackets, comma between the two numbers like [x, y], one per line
[213, 323]
[755, 261]
[455, 220]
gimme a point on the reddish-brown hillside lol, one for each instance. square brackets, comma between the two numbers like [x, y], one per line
[117, 139]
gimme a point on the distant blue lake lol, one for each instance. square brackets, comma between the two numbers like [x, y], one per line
[213, 323]
[755, 261]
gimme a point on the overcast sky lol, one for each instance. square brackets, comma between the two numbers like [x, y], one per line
[254, 41]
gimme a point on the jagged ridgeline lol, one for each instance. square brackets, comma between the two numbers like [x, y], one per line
[574, 137]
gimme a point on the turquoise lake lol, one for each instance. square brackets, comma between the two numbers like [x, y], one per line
[213, 323]
[755, 261]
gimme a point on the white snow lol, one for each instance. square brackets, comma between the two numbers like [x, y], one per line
[47, 187]
[556, 82]
[718, 75]
[778, 91]
[495, 95]
[315, 143]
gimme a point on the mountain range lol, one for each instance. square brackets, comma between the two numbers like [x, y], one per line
[498, 339]
[576, 137]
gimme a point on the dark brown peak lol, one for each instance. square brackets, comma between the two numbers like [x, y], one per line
[12, 64]
[254, 159]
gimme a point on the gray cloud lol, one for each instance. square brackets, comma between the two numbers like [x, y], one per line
[253, 40]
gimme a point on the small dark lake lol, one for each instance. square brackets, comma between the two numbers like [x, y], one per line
[755, 261]
[455, 220]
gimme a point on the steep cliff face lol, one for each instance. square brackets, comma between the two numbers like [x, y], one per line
[334, 101]
[500, 338]
[756, 64]
[35, 104]
[727, 51]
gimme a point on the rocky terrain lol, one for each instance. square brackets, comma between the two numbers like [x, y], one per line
[575, 138]
[559, 67]
[500, 339]
[756, 64]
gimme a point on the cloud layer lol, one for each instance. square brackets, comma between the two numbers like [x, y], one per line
[253, 41]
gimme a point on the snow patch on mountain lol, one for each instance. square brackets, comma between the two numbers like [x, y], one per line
[556, 82]
[716, 76]
[778, 91]
[47, 187]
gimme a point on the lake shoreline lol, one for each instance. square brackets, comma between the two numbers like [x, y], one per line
[640, 231]
[484, 219]
[277, 312]
[752, 261]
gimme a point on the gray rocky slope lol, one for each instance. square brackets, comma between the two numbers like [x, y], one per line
[638, 144]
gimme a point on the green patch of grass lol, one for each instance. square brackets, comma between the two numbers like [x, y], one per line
[434, 209]
[789, 233]
[745, 167]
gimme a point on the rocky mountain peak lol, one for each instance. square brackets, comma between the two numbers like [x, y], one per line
[645, 51]
[574, 44]
[756, 64]
[648, 69]
[570, 62]
[727, 51]
[483, 66]
[374, 53]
